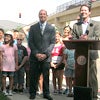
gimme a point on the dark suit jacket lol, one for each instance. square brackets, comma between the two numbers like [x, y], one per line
[93, 34]
[93, 30]
[39, 43]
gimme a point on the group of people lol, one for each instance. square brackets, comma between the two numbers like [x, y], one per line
[46, 44]
[13, 56]
[63, 63]
[47, 51]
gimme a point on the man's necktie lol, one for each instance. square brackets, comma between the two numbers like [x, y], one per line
[42, 29]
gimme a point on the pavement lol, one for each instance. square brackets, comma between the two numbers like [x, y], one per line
[25, 96]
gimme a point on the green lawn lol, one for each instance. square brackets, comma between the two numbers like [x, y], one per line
[3, 97]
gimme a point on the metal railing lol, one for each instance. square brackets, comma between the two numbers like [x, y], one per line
[70, 5]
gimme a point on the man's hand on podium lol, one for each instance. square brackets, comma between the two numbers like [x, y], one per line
[83, 37]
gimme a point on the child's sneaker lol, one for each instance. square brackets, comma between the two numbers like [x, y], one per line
[39, 92]
[55, 92]
[5, 92]
[21, 91]
[60, 91]
[10, 93]
[66, 91]
[15, 90]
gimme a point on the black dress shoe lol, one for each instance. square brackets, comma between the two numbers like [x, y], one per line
[48, 97]
[32, 97]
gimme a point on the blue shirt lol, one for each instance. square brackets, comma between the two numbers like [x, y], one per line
[70, 58]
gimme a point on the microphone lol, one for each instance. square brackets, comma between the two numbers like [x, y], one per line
[91, 24]
[81, 18]
[73, 33]
[87, 32]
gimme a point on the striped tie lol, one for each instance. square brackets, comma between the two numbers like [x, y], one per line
[41, 27]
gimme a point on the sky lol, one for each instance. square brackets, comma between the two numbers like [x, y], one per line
[10, 9]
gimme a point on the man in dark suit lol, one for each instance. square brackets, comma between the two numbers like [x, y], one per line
[41, 42]
[88, 29]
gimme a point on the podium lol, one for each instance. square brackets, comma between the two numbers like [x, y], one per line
[82, 48]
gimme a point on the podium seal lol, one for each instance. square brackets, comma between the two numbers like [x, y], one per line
[81, 60]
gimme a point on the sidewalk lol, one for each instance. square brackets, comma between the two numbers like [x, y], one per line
[25, 96]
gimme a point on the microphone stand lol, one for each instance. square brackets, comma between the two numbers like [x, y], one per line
[81, 19]
[77, 37]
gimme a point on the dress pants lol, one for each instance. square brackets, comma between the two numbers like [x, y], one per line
[36, 68]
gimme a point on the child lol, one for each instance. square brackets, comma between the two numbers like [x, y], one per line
[69, 68]
[9, 62]
[67, 33]
[66, 36]
[22, 58]
[57, 64]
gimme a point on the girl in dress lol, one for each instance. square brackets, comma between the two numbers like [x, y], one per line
[9, 62]
[67, 36]
[69, 69]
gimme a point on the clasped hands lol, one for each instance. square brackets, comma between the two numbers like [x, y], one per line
[41, 57]
[54, 65]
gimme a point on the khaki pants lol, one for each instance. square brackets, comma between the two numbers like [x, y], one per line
[93, 82]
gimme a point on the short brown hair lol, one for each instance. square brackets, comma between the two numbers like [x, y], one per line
[89, 7]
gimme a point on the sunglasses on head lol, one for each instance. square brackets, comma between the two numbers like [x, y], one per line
[19, 39]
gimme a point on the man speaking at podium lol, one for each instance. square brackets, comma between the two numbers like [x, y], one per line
[88, 29]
